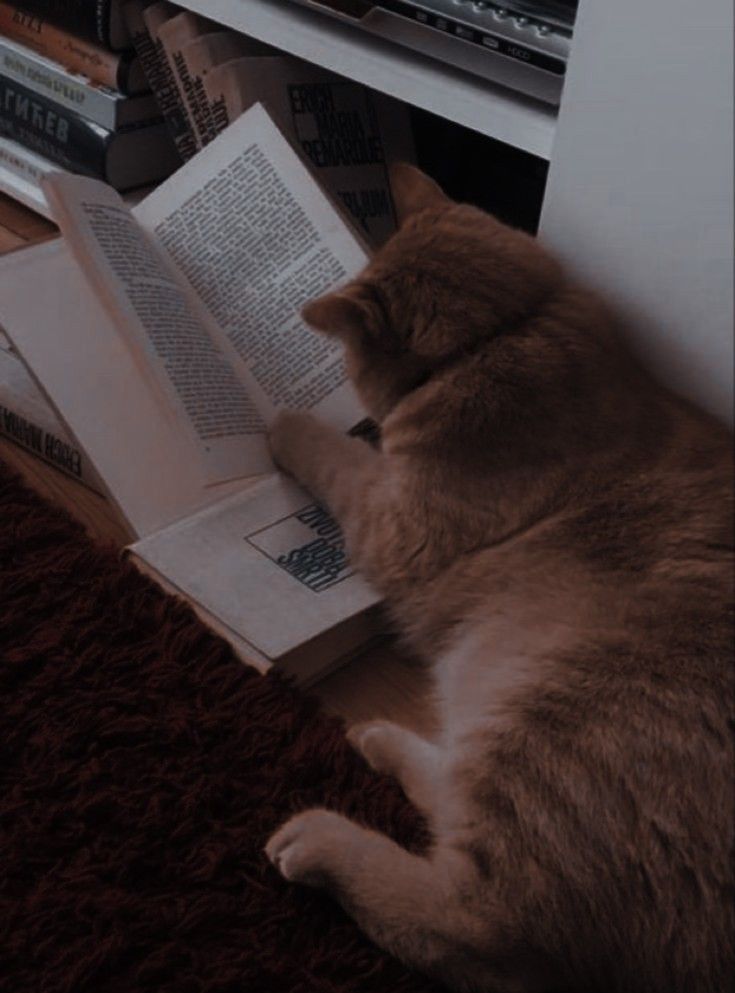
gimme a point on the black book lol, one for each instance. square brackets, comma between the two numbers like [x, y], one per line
[98, 20]
[125, 159]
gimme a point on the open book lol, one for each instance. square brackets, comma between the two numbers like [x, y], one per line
[167, 337]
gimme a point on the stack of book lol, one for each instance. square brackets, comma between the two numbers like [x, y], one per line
[74, 96]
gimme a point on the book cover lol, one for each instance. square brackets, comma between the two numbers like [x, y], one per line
[27, 418]
[98, 20]
[120, 71]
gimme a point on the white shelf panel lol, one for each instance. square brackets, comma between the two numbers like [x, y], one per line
[392, 69]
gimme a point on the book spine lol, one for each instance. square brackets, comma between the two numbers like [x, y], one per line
[195, 99]
[71, 91]
[85, 18]
[220, 114]
[43, 126]
[22, 162]
[74, 53]
[160, 78]
[173, 28]
[28, 420]
[51, 446]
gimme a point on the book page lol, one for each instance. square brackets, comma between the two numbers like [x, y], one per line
[203, 53]
[193, 380]
[346, 134]
[84, 368]
[268, 564]
[255, 237]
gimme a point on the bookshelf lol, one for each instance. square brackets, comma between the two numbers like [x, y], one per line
[422, 82]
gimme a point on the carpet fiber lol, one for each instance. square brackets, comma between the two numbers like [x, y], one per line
[142, 769]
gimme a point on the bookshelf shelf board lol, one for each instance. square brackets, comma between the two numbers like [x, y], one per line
[467, 100]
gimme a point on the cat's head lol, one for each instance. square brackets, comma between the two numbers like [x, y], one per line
[450, 278]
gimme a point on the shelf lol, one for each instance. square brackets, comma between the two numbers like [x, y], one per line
[422, 82]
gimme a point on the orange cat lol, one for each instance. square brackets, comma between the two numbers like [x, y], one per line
[553, 531]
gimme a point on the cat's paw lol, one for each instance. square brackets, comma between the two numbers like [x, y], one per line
[304, 848]
[373, 740]
[289, 438]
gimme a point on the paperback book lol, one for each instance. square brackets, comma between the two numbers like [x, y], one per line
[182, 319]
[27, 419]
[21, 173]
[194, 57]
[126, 158]
[173, 33]
[99, 20]
[139, 17]
[118, 70]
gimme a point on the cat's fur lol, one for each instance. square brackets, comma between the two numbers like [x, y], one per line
[553, 530]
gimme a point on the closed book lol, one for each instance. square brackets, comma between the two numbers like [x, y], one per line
[125, 159]
[21, 172]
[100, 21]
[121, 71]
[173, 34]
[160, 78]
[202, 54]
[107, 107]
[27, 419]
[155, 17]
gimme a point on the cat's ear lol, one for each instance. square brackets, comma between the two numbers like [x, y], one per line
[413, 191]
[342, 313]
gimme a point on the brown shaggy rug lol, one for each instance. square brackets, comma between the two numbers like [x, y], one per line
[142, 768]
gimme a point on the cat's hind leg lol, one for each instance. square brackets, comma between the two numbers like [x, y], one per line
[425, 910]
[416, 763]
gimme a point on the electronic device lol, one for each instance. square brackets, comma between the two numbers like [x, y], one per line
[522, 44]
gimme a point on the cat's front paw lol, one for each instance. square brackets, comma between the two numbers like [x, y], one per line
[304, 848]
[290, 435]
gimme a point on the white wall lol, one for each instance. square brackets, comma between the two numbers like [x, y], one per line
[640, 193]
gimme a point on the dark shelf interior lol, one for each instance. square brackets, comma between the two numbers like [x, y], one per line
[476, 169]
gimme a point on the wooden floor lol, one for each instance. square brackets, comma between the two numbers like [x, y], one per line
[380, 683]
